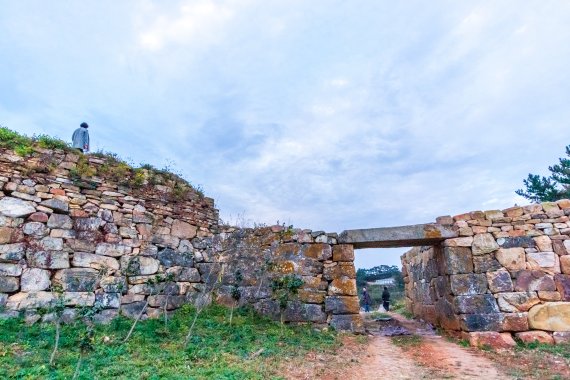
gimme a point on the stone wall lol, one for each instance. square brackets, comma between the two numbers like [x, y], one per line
[507, 271]
[96, 235]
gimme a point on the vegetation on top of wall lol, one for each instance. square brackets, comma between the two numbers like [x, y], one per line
[552, 188]
[113, 168]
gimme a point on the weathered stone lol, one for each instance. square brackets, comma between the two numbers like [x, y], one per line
[347, 322]
[80, 298]
[479, 303]
[35, 229]
[317, 251]
[342, 305]
[166, 241]
[343, 252]
[77, 279]
[59, 221]
[6, 234]
[104, 317]
[458, 260]
[171, 301]
[9, 269]
[535, 336]
[9, 284]
[533, 281]
[183, 230]
[483, 243]
[108, 300]
[51, 244]
[405, 236]
[514, 322]
[90, 260]
[542, 259]
[549, 296]
[113, 250]
[468, 284]
[459, 242]
[561, 337]
[170, 258]
[486, 263]
[481, 322]
[343, 287]
[32, 300]
[56, 205]
[312, 296]
[15, 208]
[112, 284]
[140, 265]
[301, 312]
[490, 339]
[512, 258]
[516, 302]
[516, 242]
[12, 252]
[41, 217]
[550, 316]
[562, 283]
[543, 243]
[35, 279]
[500, 281]
[339, 269]
[87, 224]
[184, 274]
[48, 259]
[565, 264]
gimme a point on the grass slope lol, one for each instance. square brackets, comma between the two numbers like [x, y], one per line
[250, 348]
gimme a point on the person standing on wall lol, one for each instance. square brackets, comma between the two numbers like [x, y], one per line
[386, 299]
[366, 301]
[80, 138]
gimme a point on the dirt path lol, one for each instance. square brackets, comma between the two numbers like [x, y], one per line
[422, 355]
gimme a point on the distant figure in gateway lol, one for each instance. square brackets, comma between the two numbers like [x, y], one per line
[386, 299]
[366, 301]
[80, 138]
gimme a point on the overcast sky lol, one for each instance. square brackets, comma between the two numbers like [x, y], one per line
[328, 115]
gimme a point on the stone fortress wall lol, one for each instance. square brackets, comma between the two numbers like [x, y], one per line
[94, 234]
[506, 272]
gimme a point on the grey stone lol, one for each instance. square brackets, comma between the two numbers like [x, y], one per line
[51, 244]
[114, 250]
[140, 265]
[481, 322]
[517, 242]
[302, 312]
[15, 208]
[342, 305]
[90, 260]
[9, 284]
[36, 229]
[183, 274]
[48, 259]
[3, 300]
[87, 224]
[171, 301]
[486, 263]
[56, 205]
[405, 236]
[132, 310]
[12, 252]
[476, 304]
[543, 259]
[32, 300]
[170, 258]
[77, 279]
[35, 279]
[108, 300]
[347, 322]
[517, 301]
[484, 243]
[500, 281]
[9, 269]
[458, 260]
[59, 221]
[80, 298]
[105, 316]
[468, 284]
[112, 284]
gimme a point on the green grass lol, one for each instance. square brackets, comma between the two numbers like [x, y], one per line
[407, 340]
[216, 349]
[561, 350]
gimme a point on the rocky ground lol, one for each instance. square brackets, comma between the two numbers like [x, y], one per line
[422, 354]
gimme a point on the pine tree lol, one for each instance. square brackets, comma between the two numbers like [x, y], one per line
[552, 188]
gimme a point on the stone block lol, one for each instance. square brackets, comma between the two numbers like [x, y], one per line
[458, 260]
[77, 279]
[168, 241]
[48, 259]
[543, 243]
[511, 258]
[171, 301]
[57, 205]
[550, 316]
[347, 322]
[483, 243]
[35, 279]
[339, 269]
[60, 221]
[80, 298]
[486, 263]
[545, 260]
[104, 317]
[468, 284]
[94, 261]
[111, 284]
[342, 305]
[562, 283]
[342, 287]
[12, 253]
[51, 244]
[565, 264]
[312, 296]
[466, 241]
[183, 230]
[41, 217]
[11, 270]
[301, 312]
[317, 251]
[549, 296]
[170, 258]
[343, 252]
[15, 208]
[561, 337]
[476, 304]
[35, 229]
[6, 234]
[516, 242]
[139, 265]
[113, 250]
[481, 322]
[31, 300]
[491, 339]
[534, 280]
[500, 281]
[184, 274]
[515, 322]
[9, 284]
[535, 336]
[517, 301]
[132, 310]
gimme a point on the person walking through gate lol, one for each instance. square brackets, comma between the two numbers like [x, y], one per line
[366, 301]
[80, 138]
[386, 299]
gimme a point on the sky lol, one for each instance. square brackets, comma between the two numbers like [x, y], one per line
[326, 115]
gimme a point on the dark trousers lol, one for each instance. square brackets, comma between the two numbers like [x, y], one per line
[386, 305]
